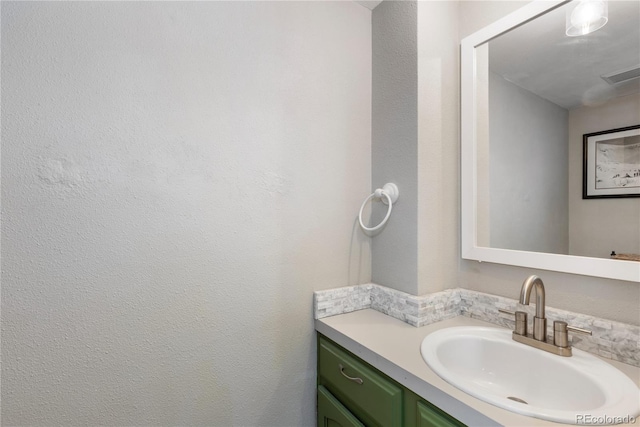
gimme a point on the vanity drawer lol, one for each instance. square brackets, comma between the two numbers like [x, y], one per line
[371, 397]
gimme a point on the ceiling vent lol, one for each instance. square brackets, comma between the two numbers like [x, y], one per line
[622, 75]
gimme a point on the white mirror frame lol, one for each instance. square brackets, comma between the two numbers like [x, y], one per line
[598, 267]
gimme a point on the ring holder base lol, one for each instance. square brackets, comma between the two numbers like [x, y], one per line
[392, 190]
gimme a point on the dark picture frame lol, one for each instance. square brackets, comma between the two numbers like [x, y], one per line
[611, 163]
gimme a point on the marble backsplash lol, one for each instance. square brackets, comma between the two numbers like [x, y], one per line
[610, 339]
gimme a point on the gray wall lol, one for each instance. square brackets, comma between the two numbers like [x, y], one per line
[415, 140]
[177, 179]
[599, 226]
[528, 151]
[394, 142]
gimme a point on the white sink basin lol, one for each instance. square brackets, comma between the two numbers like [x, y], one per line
[486, 363]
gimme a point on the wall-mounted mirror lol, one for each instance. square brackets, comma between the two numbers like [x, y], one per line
[529, 95]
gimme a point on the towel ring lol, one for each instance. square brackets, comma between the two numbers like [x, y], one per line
[389, 194]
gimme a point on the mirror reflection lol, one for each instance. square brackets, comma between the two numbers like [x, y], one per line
[539, 91]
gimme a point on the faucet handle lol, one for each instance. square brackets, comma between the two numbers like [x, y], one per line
[560, 333]
[521, 320]
[579, 330]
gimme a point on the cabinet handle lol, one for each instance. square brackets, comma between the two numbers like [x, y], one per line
[355, 380]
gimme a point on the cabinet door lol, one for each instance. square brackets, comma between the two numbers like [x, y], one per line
[331, 413]
[429, 416]
[368, 394]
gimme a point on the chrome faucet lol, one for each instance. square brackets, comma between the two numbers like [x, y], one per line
[539, 321]
[560, 345]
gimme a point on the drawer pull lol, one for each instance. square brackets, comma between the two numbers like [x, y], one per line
[355, 380]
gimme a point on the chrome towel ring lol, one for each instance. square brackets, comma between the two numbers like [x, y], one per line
[389, 194]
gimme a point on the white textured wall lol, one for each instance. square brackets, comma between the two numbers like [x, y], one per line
[177, 178]
[438, 145]
[611, 299]
[528, 152]
[599, 226]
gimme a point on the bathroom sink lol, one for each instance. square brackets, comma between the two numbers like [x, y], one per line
[486, 363]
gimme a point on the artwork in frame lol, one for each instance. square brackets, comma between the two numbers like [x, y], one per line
[611, 163]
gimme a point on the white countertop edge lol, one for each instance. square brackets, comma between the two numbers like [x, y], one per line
[393, 347]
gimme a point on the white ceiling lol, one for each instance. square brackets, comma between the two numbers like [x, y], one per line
[539, 57]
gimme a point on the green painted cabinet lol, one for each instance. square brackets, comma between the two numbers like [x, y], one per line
[430, 416]
[331, 413]
[353, 393]
[372, 397]
[420, 413]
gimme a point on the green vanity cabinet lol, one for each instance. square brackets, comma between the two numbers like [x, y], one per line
[353, 393]
[372, 397]
[331, 413]
[430, 416]
[421, 413]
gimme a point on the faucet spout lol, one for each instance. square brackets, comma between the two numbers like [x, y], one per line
[539, 321]
[525, 294]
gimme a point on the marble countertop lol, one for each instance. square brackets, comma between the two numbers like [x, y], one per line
[393, 347]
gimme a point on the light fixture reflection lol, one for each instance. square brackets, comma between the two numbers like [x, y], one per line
[586, 16]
